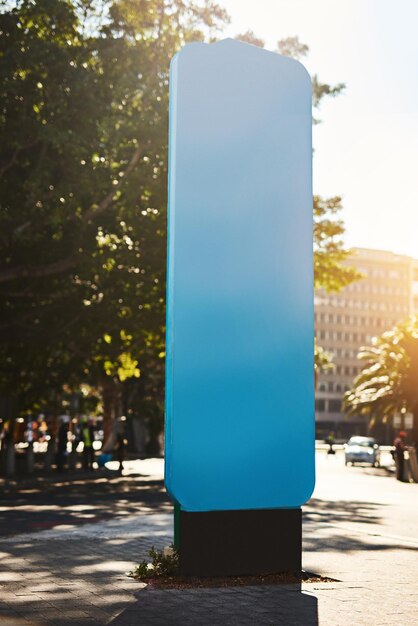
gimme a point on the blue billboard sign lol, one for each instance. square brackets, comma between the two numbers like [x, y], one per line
[240, 335]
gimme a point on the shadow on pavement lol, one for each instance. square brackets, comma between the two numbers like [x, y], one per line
[383, 471]
[262, 605]
[79, 499]
[63, 582]
[342, 510]
[327, 519]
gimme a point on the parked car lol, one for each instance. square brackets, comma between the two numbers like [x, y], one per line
[362, 450]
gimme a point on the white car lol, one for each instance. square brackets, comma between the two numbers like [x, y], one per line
[362, 450]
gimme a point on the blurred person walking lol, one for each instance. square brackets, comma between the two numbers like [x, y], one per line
[330, 441]
[87, 437]
[399, 455]
[62, 442]
[121, 442]
[8, 459]
[31, 427]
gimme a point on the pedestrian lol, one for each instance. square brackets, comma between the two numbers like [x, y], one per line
[120, 446]
[399, 455]
[330, 442]
[62, 442]
[30, 431]
[87, 437]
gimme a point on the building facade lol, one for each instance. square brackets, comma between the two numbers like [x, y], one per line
[347, 320]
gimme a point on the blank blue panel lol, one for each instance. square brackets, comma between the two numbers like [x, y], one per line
[240, 374]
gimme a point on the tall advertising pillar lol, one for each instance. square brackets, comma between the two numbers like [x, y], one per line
[239, 458]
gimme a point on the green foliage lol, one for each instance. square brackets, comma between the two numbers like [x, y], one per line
[322, 359]
[330, 269]
[164, 563]
[83, 168]
[388, 382]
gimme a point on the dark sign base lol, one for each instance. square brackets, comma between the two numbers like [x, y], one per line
[234, 543]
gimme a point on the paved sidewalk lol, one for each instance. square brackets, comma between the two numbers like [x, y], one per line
[75, 574]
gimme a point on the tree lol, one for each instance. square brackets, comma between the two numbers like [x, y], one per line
[83, 169]
[83, 166]
[251, 38]
[388, 383]
[331, 271]
[322, 361]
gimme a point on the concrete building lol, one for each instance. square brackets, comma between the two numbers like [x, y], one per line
[347, 320]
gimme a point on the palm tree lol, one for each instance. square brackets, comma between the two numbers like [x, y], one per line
[322, 361]
[388, 383]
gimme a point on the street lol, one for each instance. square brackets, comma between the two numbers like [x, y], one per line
[67, 544]
[363, 499]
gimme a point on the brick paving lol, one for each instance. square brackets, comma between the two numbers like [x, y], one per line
[74, 572]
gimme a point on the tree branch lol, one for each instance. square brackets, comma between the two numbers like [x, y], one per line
[24, 271]
[92, 213]
[57, 267]
[14, 156]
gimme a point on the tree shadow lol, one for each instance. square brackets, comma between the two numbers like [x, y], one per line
[60, 575]
[321, 520]
[74, 500]
[342, 510]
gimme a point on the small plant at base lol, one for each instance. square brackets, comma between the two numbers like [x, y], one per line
[164, 563]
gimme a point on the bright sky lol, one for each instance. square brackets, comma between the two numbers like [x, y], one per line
[366, 149]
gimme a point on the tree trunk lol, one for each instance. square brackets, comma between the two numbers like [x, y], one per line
[30, 458]
[9, 458]
[50, 453]
[111, 394]
[155, 427]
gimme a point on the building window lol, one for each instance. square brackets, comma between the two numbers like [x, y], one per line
[330, 386]
[334, 406]
[320, 405]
